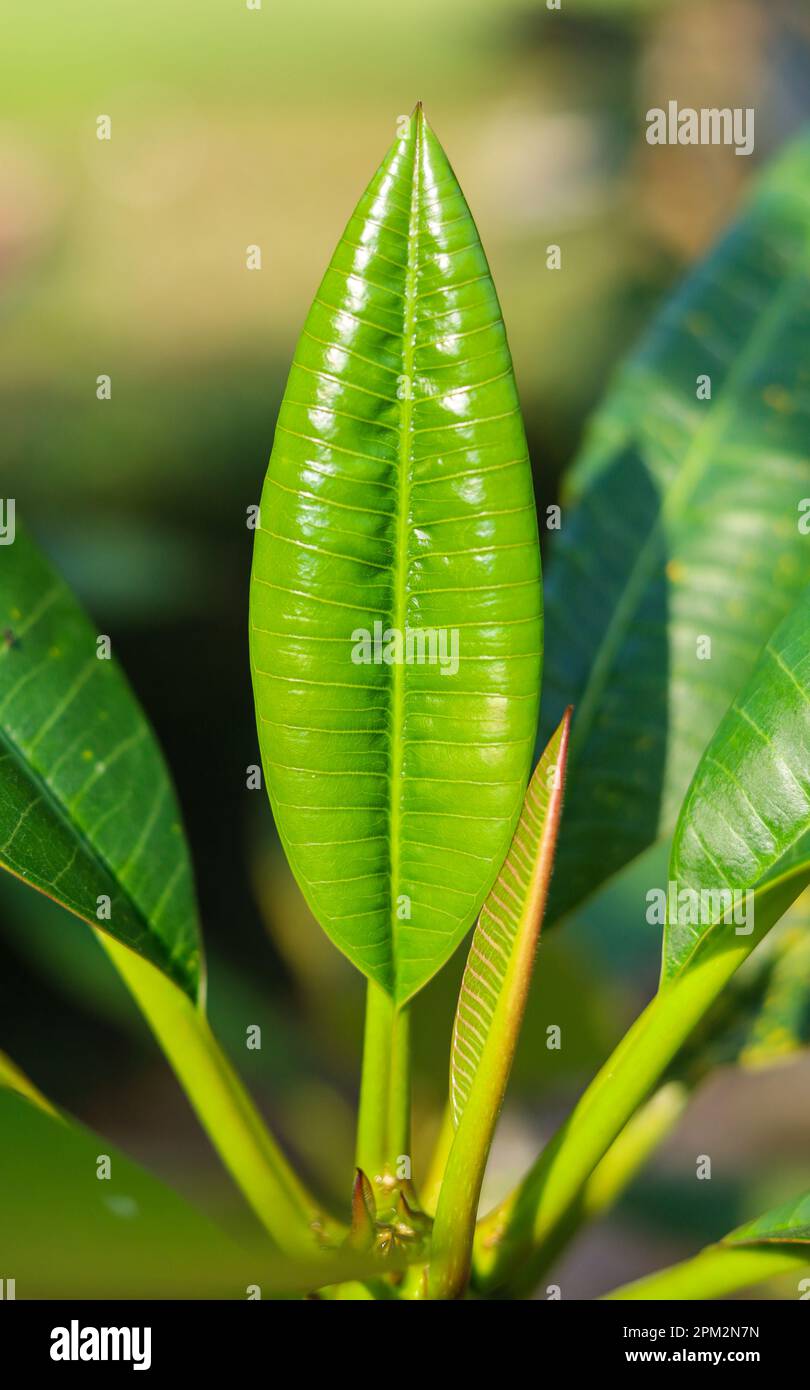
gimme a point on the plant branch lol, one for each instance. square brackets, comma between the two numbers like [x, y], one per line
[512, 1241]
[630, 1151]
[223, 1106]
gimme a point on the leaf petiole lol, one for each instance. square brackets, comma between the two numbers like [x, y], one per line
[384, 1118]
[224, 1108]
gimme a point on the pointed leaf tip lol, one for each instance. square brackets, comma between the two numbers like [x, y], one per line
[364, 1213]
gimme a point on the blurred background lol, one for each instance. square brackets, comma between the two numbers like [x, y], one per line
[234, 127]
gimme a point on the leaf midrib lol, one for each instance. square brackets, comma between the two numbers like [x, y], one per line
[400, 587]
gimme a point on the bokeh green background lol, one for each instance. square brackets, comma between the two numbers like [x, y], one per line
[234, 127]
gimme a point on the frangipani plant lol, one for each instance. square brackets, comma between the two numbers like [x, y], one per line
[396, 641]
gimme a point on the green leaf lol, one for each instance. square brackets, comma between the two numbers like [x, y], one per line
[87, 810]
[399, 493]
[491, 1004]
[780, 1027]
[680, 523]
[788, 1223]
[12, 1078]
[66, 1233]
[777, 1243]
[762, 1016]
[742, 842]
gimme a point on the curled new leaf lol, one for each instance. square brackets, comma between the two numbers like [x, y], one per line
[496, 979]
[395, 597]
[490, 1010]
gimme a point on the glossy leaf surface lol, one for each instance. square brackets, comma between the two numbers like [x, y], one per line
[681, 524]
[87, 809]
[399, 499]
[745, 824]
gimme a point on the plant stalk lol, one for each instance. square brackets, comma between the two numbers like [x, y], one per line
[384, 1119]
[223, 1106]
[512, 1240]
[630, 1151]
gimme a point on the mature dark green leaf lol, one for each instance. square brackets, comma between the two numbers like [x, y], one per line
[681, 523]
[87, 809]
[741, 851]
[399, 499]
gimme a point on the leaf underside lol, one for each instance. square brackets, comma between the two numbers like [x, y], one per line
[745, 823]
[681, 523]
[398, 493]
[87, 809]
[498, 971]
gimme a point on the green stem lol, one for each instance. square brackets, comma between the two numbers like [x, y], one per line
[510, 1242]
[630, 1151]
[222, 1104]
[717, 1271]
[609, 1179]
[384, 1120]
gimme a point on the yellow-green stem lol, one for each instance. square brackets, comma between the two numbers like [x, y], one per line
[384, 1119]
[630, 1151]
[609, 1179]
[222, 1104]
[511, 1242]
